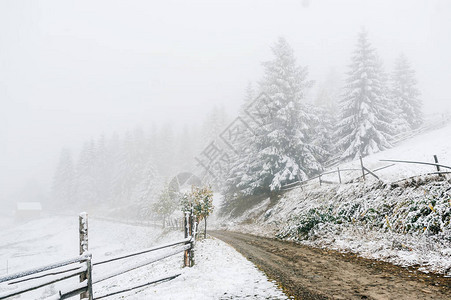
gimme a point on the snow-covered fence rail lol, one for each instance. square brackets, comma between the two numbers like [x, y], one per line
[172, 223]
[436, 164]
[319, 177]
[81, 266]
[131, 254]
[26, 281]
[366, 171]
[186, 246]
[431, 123]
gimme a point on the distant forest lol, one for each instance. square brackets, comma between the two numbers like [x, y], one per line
[353, 113]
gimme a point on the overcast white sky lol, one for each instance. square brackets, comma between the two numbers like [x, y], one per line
[71, 70]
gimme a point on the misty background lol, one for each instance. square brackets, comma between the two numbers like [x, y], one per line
[71, 71]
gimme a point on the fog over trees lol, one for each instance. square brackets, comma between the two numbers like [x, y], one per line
[129, 171]
[365, 122]
[290, 139]
[405, 94]
[131, 104]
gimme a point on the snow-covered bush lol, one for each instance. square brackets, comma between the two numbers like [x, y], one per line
[418, 207]
[308, 221]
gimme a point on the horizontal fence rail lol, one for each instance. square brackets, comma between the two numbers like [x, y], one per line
[29, 280]
[45, 279]
[434, 122]
[70, 291]
[44, 275]
[365, 171]
[146, 262]
[166, 278]
[131, 254]
[416, 162]
[63, 263]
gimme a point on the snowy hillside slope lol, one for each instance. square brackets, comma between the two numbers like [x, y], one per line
[51, 239]
[419, 148]
[406, 222]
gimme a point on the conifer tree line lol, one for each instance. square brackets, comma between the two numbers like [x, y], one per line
[295, 136]
[292, 136]
[129, 171]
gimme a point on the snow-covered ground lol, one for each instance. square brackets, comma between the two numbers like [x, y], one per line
[419, 148]
[219, 272]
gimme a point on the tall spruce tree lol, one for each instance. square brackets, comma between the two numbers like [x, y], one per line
[85, 178]
[240, 158]
[326, 109]
[406, 94]
[281, 151]
[392, 113]
[324, 126]
[63, 187]
[148, 189]
[365, 122]
[102, 172]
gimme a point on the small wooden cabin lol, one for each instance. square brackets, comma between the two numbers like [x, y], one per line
[28, 210]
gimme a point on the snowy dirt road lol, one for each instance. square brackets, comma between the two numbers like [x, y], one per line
[311, 273]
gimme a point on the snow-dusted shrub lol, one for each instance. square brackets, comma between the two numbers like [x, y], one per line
[418, 207]
[430, 214]
[307, 221]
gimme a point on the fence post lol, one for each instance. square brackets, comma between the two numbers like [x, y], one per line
[89, 277]
[191, 233]
[436, 161]
[320, 182]
[186, 229]
[83, 231]
[339, 175]
[438, 167]
[363, 168]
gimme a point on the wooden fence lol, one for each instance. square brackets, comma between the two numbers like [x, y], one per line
[169, 223]
[431, 123]
[33, 279]
[365, 172]
[81, 266]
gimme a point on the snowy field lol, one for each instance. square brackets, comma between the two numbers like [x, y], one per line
[219, 272]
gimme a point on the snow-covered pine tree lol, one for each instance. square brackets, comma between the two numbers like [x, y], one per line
[281, 152]
[392, 113]
[406, 94]
[249, 96]
[323, 128]
[85, 178]
[240, 157]
[329, 90]
[184, 153]
[132, 160]
[326, 110]
[102, 172]
[64, 180]
[165, 145]
[364, 126]
[149, 187]
[214, 123]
